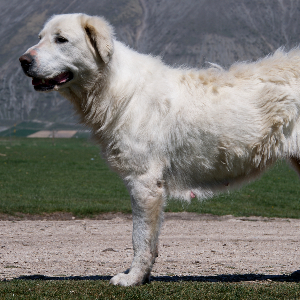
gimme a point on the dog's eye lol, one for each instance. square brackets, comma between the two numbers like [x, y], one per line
[60, 40]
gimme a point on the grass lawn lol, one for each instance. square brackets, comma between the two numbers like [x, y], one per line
[84, 289]
[37, 176]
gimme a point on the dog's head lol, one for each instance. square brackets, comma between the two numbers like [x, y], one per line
[72, 48]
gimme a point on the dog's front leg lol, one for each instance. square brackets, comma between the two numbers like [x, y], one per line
[147, 212]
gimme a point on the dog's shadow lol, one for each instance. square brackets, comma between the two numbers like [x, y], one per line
[294, 277]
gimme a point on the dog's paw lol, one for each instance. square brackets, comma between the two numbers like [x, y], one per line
[129, 279]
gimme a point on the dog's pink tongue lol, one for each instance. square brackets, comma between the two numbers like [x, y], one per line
[61, 78]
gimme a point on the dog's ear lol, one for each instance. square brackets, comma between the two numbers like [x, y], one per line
[100, 33]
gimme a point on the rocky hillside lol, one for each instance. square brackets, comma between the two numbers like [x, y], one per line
[188, 33]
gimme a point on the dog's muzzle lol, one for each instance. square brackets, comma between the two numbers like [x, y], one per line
[40, 82]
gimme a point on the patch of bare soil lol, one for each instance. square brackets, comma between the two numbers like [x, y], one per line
[202, 246]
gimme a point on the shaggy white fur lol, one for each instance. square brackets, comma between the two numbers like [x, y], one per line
[169, 132]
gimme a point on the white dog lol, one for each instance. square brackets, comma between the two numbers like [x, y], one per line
[169, 132]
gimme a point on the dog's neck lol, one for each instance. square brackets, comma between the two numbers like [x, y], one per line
[101, 102]
[93, 100]
[86, 99]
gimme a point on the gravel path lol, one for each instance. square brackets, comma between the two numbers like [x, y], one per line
[190, 245]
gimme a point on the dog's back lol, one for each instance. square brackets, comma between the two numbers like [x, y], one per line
[231, 125]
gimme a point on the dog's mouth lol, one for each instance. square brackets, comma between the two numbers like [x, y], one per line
[47, 84]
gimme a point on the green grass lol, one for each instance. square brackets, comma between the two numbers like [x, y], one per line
[84, 289]
[37, 176]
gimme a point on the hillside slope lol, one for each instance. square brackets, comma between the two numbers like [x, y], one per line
[182, 32]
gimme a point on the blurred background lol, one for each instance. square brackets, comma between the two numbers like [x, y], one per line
[188, 33]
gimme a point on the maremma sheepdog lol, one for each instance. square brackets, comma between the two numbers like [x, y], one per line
[169, 132]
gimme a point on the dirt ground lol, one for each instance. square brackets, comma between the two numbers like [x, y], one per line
[201, 246]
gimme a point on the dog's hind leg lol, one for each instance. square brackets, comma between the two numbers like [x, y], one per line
[148, 197]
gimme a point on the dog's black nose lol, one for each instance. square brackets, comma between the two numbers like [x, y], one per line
[26, 61]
